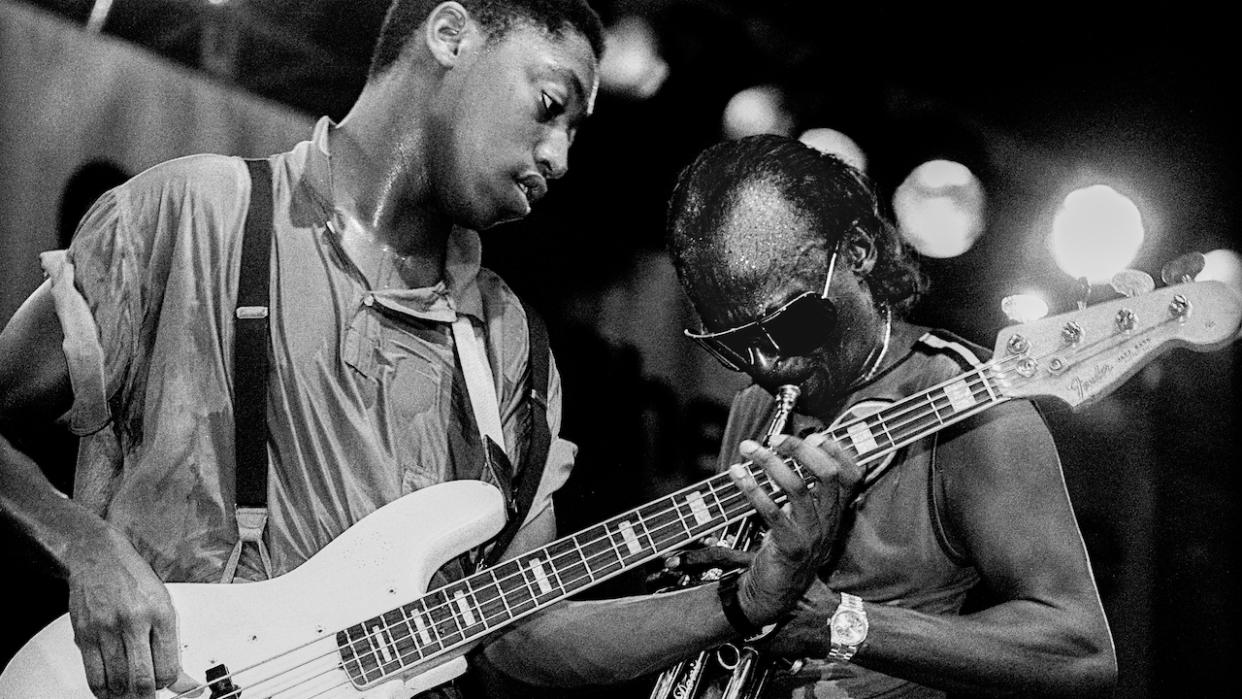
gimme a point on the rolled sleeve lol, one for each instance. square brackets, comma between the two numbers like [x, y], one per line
[83, 353]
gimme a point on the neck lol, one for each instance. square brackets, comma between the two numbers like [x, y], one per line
[381, 190]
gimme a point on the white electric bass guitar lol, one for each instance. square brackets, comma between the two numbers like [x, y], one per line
[356, 620]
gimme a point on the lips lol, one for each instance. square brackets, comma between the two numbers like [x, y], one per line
[533, 187]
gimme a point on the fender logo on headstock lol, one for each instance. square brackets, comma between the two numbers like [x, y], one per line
[1085, 387]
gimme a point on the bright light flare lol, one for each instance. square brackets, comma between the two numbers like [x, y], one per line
[939, 208]
[1096, 233]
[1222, 266]
[632, 65]
[757, 110]
[835, 143]
[1024, 308]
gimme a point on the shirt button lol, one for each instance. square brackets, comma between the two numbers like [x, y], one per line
[368, 300]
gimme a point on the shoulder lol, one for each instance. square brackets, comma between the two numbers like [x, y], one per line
[205, 176]
[945, 346]
[503, 306]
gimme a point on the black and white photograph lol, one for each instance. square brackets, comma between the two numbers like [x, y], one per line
[618, 349]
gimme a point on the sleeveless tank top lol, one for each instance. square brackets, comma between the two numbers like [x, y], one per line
[895, 551]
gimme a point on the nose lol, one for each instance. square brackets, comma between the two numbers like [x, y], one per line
[552, 154]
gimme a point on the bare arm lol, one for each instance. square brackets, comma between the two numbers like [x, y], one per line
[119, 608]
[609, 641]
[1008, 506]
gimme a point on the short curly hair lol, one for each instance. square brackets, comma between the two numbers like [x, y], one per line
[838, 199]
[497, 17]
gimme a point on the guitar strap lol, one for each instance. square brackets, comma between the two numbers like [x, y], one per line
[538, 443]
[250, 363]
[250, 374]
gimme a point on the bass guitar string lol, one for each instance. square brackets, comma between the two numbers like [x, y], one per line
[995, 365]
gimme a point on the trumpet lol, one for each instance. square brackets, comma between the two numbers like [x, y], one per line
[684, 679]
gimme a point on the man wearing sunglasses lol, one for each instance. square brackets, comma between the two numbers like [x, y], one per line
[797, 279]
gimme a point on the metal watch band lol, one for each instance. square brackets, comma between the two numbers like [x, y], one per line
[841, 652]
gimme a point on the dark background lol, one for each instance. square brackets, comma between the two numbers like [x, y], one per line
[1036, 100]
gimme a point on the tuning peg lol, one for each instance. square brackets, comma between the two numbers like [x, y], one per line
[1182, 269]
[1082, 289]
[1132, 282]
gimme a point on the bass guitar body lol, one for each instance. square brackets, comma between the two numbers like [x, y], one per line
[279, 638]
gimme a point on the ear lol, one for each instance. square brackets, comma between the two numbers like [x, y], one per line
[860, 252]
[446, 29]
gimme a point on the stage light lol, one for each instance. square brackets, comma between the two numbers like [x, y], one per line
[632, 66]
[1223, 266]
[939, 208]
[1024, 308]
[835, 143]
[757, 110]
[1096, 233]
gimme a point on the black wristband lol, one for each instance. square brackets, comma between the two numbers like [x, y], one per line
[732, 607]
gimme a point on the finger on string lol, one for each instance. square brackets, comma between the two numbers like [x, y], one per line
[757, 496]
[823, 462]
[849, 472]
[773, 462]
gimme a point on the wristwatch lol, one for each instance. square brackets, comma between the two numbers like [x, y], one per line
[847, 628]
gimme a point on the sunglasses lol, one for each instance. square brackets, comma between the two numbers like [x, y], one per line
[800, 326]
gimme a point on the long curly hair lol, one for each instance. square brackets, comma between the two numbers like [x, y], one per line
[838, 200]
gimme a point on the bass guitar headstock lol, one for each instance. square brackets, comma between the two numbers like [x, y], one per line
[1080, 356]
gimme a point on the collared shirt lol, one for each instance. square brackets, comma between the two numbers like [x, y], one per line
[361, 380]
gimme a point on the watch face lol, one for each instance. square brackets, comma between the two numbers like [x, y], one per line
[848, 627]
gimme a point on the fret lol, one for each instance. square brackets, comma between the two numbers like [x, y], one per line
[443, 621]
[350, 658]
[420, 629]
[642, 522]
[936, 411]
[698, 508]
[629, 539]
[411, 633]
[450, 603]
[461, 599]
[880, 419]
[382, 644]
[861, 438]
[600, 550]
[992, 398]
[960, 396]
[534, 569]
[500, 593]
[514, 587]
[582, 557]
[489, 604]
[403, 643]
[566, 564]
[664, 526]
[372, 652]
[724, 512]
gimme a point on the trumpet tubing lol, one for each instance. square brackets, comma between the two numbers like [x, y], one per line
[684, 679]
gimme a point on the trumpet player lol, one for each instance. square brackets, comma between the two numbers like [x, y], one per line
[798, 280]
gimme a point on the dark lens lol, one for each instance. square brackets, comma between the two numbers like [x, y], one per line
[803, 327]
